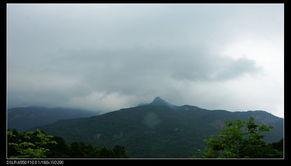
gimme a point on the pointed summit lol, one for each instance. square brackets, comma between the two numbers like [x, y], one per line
[159, 101]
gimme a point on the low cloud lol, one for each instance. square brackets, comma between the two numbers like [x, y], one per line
[103, 101]
[104, 57]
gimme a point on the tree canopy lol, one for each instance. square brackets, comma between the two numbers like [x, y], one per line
[39, 144]
[242, 139]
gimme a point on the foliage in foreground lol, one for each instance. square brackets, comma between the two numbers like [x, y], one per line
[242, 139]
[38, 144]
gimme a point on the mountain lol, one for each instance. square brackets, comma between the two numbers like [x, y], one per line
[158, 129]
[160, 102]
[23, 118]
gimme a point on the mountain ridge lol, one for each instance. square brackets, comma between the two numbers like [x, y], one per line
[156, 130]
[160, 101]
[23, 118]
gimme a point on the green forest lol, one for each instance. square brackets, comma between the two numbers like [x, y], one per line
[39, 144]
[238, 139]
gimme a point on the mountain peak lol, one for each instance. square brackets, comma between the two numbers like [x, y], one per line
[159, 101]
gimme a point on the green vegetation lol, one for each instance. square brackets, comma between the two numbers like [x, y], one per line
[29, 144]
[38, 144]
[238, 139]
[151, 131]
[156, 130]
[242, 139]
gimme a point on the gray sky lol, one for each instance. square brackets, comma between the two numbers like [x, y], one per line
[106, 57]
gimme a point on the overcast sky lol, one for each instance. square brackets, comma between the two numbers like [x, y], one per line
[106, 57]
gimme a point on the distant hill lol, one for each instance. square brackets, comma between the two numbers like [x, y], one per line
[23, 118]
[158, 129]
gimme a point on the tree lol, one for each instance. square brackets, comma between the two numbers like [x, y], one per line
[38, 144]
[119, 151]
[29, 144]
[60, 149]
[240, 139]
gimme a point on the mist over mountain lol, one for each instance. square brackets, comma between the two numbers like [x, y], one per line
[23, 118]
[157, 129]
[107, 57]
[160, 101]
